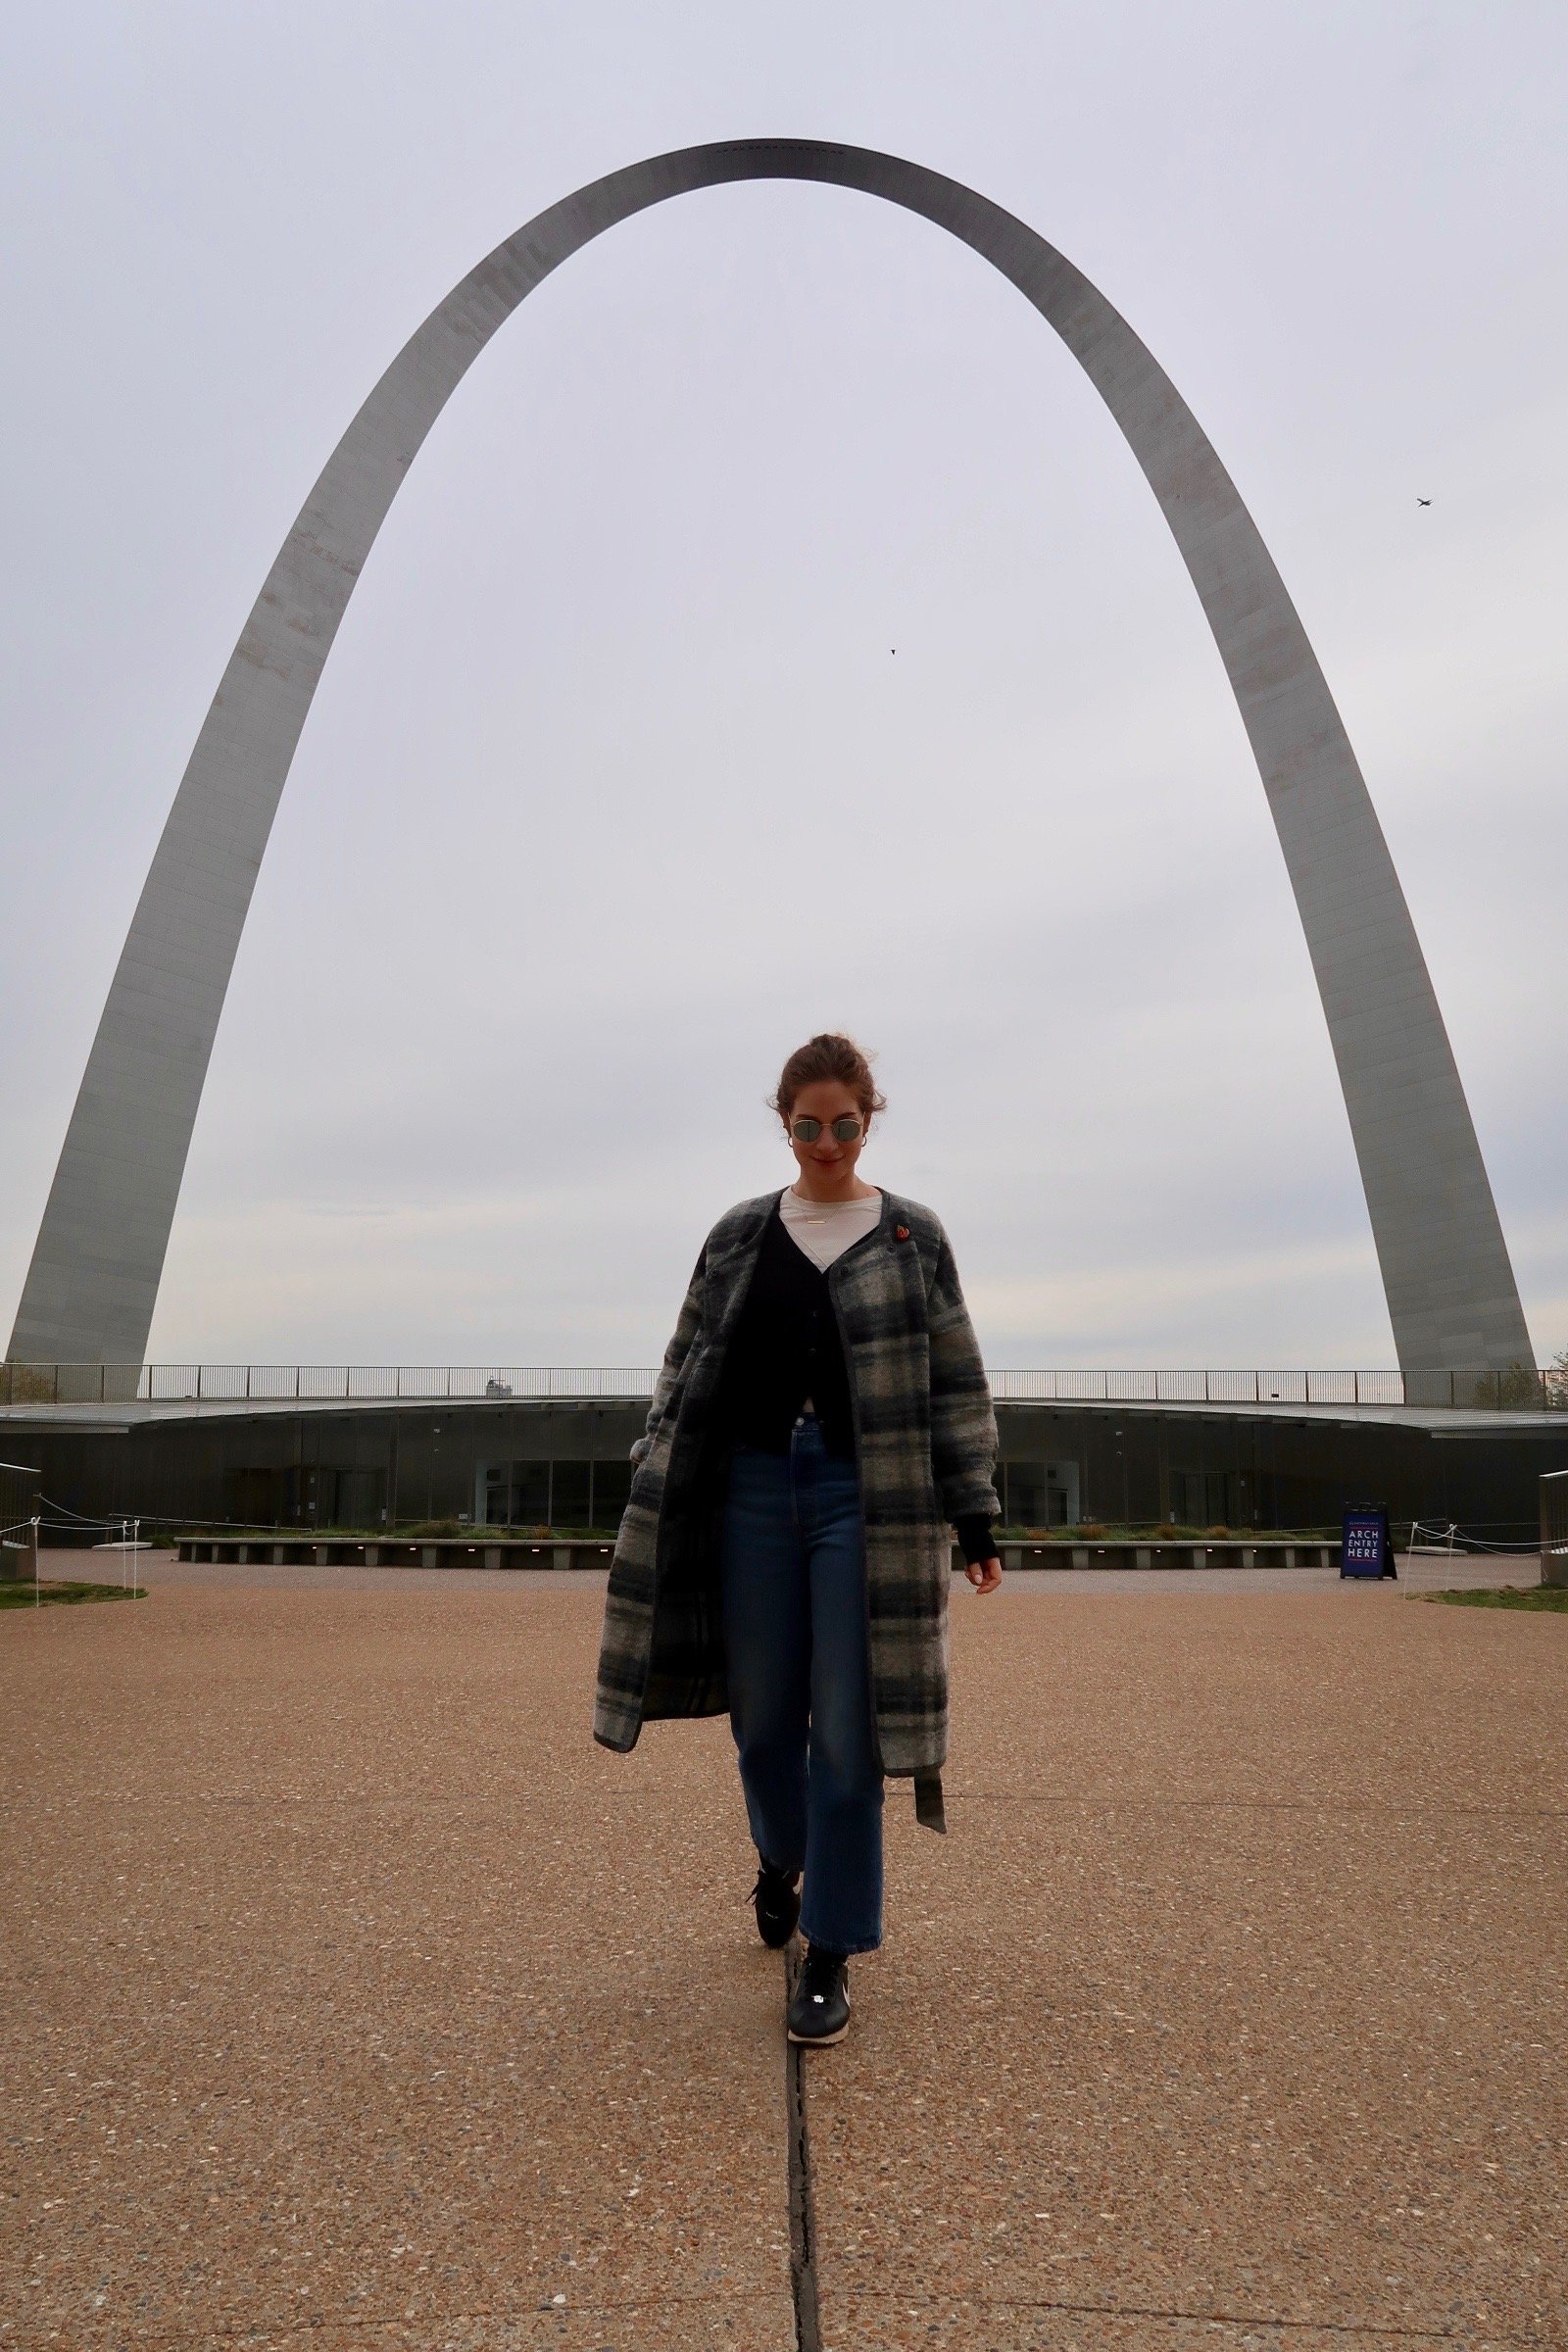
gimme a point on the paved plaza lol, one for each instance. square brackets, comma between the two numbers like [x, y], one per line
[356, 1999]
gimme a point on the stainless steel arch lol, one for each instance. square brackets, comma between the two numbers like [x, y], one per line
[93, 1281]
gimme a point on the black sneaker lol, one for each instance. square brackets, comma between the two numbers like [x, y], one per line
[820, 2007]
[778, 1904]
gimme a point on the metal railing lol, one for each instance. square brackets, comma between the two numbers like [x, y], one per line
[1201, 1388]
[1522, 1388]
[319, 1383]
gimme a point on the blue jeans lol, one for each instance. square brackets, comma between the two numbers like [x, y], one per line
[800, 1680]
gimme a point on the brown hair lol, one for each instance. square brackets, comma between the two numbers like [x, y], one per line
[827, 1056]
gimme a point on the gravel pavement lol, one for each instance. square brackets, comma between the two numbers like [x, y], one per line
[356, 2000]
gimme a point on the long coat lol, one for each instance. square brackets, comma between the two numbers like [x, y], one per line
[926, 1444]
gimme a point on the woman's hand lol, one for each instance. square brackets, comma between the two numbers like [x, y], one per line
[984, 1575]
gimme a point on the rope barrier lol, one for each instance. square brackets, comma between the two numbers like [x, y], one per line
[81, 1518]
[1443, 1540]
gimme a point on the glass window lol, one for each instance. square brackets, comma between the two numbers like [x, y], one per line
[530, 1494]
[1201, 1497]
[568, 1495]
[254, 1497]
[360, 1498]
[1025, 1500]
[612, 1491]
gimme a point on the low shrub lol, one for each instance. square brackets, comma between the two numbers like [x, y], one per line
[1505, 1597]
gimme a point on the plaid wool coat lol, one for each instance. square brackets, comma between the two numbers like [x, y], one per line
[926, 1444]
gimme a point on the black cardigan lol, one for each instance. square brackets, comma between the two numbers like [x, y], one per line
[785, 1348]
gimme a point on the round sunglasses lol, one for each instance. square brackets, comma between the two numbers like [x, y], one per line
[806, 1131]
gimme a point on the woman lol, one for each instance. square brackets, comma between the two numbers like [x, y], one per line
[821, 1415]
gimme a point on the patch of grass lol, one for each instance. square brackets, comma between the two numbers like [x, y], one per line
[1508, 1596]
[20, 1596]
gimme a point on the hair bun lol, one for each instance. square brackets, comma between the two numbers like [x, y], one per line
[828, 1056]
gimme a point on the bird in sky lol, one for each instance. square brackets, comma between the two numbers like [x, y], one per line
[1423, 502]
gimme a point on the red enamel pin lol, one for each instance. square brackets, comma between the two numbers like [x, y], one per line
[900, 1232]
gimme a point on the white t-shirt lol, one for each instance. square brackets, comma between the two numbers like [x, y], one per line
[825, 1229]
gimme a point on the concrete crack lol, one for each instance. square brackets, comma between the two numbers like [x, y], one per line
[1426, 2332]
[802, 2212]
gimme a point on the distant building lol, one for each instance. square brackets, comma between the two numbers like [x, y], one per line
[562, 1463]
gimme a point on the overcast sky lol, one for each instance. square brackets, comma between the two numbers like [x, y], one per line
[614, 788]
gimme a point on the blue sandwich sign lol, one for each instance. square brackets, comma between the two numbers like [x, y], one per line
[1366, 1548]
